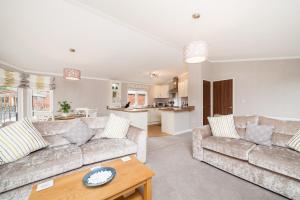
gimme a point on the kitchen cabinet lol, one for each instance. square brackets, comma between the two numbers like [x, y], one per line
[161, 91]
[154, 116]
[183, 88]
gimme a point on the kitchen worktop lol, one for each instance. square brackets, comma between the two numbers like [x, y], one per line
[178, 109]
[129, 109]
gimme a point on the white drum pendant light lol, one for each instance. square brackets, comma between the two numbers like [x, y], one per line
[195, 52]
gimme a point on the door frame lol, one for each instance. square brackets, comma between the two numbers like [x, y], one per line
[210, 98]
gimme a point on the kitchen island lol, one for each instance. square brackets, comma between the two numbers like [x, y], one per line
[176, 120]
[137, 117]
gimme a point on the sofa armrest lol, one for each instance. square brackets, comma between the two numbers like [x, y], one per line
[139, 136]
[198, 135]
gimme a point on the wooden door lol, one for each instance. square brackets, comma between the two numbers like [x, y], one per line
[223, 97]
[206, 101]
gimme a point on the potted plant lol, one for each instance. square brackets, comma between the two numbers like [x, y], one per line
[65, 108]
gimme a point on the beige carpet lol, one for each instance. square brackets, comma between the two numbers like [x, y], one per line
[179, 177]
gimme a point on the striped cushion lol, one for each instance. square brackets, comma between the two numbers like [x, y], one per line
[223, 126]
[294, 142]
[116, 127]
[18, 140]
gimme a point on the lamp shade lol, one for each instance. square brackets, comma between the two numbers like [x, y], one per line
[195, 52]
[72, 74]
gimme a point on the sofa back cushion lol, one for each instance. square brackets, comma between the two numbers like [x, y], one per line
[286, 127]
[56, 140]
[280, 140]
[47, 128]
[241, 123]
[95, 122]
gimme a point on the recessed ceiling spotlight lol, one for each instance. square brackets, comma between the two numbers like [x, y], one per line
[196, 15]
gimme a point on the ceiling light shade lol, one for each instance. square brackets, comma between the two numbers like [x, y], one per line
[72, 74]
[195, 52]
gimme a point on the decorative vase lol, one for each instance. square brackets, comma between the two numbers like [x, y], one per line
[65, 114]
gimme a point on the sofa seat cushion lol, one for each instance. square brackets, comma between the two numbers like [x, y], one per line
[228, 146]
[278, 159]
[39, 165]
[103, 149]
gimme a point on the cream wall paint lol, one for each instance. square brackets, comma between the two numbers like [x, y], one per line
[83, 93]
[270, 88]
[195, 94]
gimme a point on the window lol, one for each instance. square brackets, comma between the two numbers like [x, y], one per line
[42, 104]
[8, 104]
[137, 99]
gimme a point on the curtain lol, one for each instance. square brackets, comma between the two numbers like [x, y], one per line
[17, 79]
[41, 82]
[10, 78]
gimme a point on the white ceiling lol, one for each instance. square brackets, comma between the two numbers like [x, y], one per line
[127, 39]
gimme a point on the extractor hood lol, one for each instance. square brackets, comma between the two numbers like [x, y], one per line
[173, 87]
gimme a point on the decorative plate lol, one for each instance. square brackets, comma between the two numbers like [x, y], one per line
[99, 176]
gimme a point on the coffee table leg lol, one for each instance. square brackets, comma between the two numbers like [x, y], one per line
[148, 190]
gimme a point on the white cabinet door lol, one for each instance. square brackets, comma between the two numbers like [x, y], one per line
[156, 91]
[154, 116]
[181, 89]
[164, 90]
[186, 88]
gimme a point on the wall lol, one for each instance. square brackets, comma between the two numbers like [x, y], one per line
[195, 93]
[83, 93]
[270, 88]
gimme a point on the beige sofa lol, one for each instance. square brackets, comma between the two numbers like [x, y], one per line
[276, 168]
[61, 157]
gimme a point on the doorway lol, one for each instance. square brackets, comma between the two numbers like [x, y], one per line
[223, 97]
[206, 101]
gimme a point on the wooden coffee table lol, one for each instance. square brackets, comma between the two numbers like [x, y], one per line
[130, 176]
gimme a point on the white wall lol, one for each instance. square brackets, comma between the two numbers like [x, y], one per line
[270, 88]
[83, 93]
[195, 94]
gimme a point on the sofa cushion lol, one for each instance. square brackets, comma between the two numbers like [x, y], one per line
[243, 121]
[19, 139]
[294, 142]
[53, 127]
[104, 149]
[56, 140]
[278, 159]
[116, 127]
[231, 147]
[79, 133]
[280, 140]
[223, 126]
[259, 134]
[39, 165]
[95, 122]
[281, 126]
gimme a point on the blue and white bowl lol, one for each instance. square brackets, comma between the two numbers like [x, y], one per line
[86, 179]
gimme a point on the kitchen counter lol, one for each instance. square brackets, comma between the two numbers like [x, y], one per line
[129, 109]
[137, 117]
[176, 120]
[178, 109]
